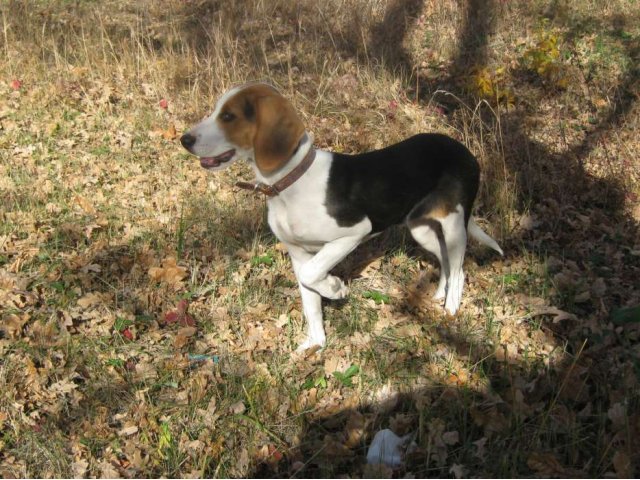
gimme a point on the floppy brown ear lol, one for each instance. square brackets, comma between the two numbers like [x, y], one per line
[278, 132]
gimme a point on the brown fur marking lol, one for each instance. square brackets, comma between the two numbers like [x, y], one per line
[441, 210]
[265, 121]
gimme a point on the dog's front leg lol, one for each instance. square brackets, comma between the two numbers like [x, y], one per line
[314, 274]
[311, 302]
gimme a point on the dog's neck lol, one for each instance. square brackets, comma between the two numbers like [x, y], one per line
[299, 155]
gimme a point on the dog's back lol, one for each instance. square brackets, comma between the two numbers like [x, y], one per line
[388, 185]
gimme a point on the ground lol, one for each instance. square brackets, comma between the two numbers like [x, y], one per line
[150, 319]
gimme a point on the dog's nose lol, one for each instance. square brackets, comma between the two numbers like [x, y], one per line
[187, 140]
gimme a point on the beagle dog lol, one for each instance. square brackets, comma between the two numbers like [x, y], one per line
[322, 205]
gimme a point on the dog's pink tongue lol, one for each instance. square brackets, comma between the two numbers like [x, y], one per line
[208, 162]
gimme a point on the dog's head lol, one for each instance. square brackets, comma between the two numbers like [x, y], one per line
[253, 122]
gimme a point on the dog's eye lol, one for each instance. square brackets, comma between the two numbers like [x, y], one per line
[227, 117]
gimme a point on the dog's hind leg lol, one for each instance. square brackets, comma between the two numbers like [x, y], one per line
[455, 237]
[446, 237]
[428, 234]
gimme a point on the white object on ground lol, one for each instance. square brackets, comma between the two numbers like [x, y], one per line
[388, 448]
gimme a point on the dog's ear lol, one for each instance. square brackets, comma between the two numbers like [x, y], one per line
[278, 132]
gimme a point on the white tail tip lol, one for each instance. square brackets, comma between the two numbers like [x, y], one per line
[476, 232]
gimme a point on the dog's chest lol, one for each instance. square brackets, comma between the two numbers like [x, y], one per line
[299, 215]
[304, 224]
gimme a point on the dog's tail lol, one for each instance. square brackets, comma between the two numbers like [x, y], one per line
[476, 232]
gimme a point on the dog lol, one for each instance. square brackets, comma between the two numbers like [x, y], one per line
[322, 205]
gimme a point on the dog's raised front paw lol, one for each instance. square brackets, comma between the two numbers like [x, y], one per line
[332, 288]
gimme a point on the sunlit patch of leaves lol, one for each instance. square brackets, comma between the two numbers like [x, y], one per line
[545, 58]
[492, 85]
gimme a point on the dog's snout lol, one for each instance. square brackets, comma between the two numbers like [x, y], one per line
[187, 140]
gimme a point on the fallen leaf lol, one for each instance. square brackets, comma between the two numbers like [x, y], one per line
[489, 418]
[168, 272]
[127, 334]
[546, 464]
[187, 331]
[458, 470]
[481, 450]
[180, 315]
[334, 448]
[126, 431]
[180, 341]
[529, 222]
[617, 413]
[80, 468]
[90, 299]
[600, 102]
[331, 364]
[270, 454]
[622, 465]
[275, 453]
[107, 470]
[377, 470]
[354, 429]
[599, 288]
[238, 408]
[582, 297]
[12, 324]
[85, 205]
[557, 314]
[63, 386]
[450, 438]
[170, 133]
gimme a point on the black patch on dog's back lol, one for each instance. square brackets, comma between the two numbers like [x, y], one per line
[386, 185]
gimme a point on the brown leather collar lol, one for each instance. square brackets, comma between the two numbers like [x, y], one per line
[284, 182]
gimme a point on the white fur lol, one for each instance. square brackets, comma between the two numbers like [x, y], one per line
[477, 233]
[211, 140]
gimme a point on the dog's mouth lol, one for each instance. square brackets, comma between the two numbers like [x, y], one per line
[213, 162]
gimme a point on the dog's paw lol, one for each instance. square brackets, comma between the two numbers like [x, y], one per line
[440, 294]
[332, 288]
[312, 343]
[454, 293]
